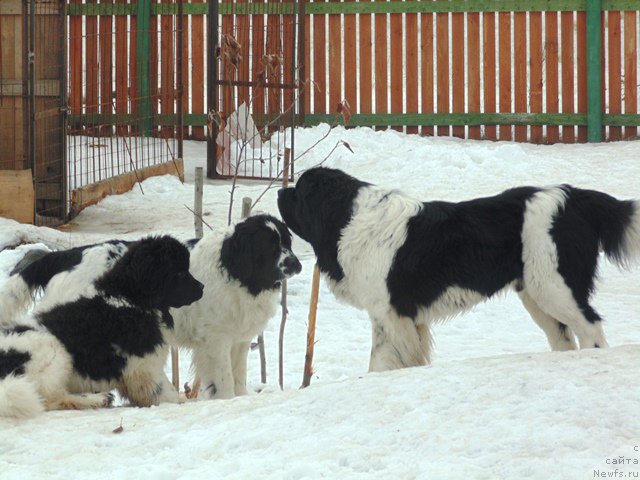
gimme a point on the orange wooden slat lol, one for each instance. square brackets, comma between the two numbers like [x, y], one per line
[106, 65]
[395, 20]
[289, 61]
[442, 65]
[582, 71]
[75, 62]
[489, 72]
[630, 70]
[305, 72]
[91, 66]
[334, 63]
[245, 94]
[133, 70]
[227, 71]
[615, 70]
[411, 36]
[350, 70]
[535, 72]
[568, 91]
[122, 73]
[185, 70]
[274, 48]
[473, 53]
[380, 69]
[197, 70]
[504, 49]
[458, 67]
[319, 86]
[366, 58]
[551, 68]
[520, 71]
[153, 66]
[258, 70]
[426, 56]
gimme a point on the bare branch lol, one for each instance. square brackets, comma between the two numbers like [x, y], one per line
[191, 210]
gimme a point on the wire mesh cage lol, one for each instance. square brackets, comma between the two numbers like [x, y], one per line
[124, 94]
[31, 97]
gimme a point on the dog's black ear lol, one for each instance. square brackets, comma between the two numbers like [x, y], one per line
[236, 255]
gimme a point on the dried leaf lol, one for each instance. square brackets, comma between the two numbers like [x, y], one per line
[231, 49]
[271, 62]
[119, 429]
[262, 78]
[344, 110]
[348, 146]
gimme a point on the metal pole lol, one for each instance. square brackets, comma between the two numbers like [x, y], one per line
[594, 71]
[64, 112]
[212, 90]
[31, 57]
[180, 80]
[31, 72]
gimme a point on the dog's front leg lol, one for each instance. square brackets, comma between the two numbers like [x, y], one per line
[213, 367]
[144, 382]
[397, 342]
[239, 353]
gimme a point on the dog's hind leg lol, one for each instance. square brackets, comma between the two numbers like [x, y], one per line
[559, 335]
[70, 401]
[19, 397]
[398, 343]
[559, 303]
[586, 324]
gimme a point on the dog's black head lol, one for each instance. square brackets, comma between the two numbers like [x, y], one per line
[153, 273]
[258, 254]
[317, 209]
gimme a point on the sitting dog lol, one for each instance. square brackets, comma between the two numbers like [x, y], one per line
[71, 355]
[410, 263]
[241, 268]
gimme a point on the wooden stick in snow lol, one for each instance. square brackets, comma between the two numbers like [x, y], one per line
[197, 225]
[283, 321]
[311, 328]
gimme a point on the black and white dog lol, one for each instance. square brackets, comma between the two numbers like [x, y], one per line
[241, 268]
[69, 356]
[410, 263]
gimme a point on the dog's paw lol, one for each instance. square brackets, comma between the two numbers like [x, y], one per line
[109, 399]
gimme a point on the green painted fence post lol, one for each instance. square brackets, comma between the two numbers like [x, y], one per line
[594, 71]
[142, 40]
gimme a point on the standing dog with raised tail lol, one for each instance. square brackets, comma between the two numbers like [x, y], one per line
[410, 263]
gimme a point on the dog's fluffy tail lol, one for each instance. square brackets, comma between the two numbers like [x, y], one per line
[19, 398]
[15, 298]
[617, 223]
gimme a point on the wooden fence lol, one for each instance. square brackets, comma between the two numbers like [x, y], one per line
[507, 70]
[525, 70]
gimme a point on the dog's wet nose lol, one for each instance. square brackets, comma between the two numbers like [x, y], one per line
[292, 265]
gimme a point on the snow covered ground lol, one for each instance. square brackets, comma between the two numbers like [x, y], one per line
[494, 404]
